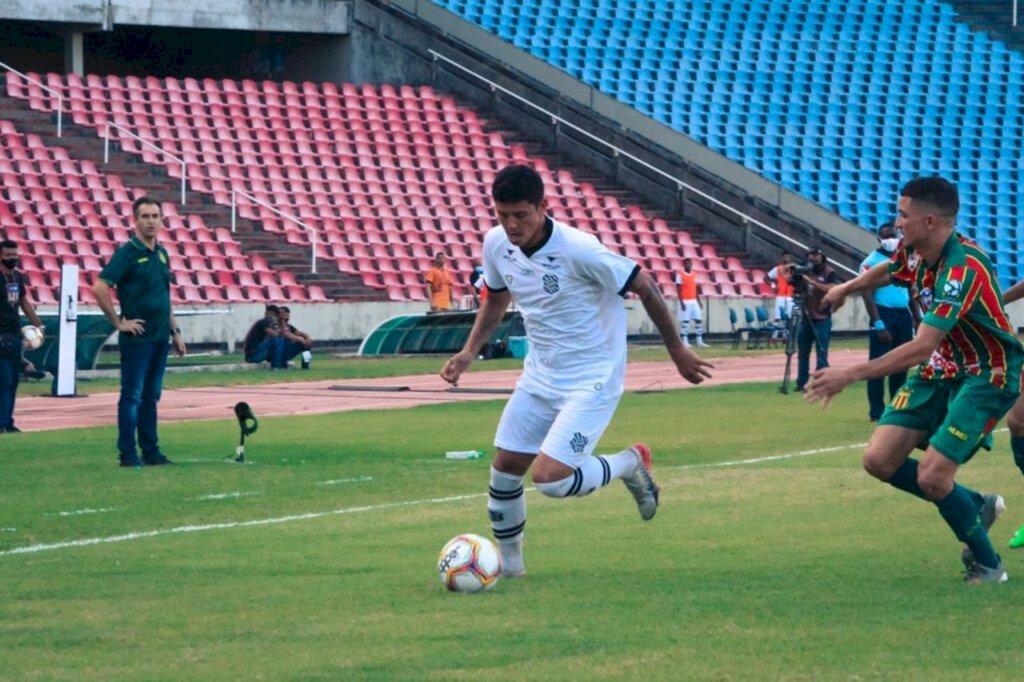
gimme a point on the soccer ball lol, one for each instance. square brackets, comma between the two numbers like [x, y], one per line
[469, 563]
[31, 337]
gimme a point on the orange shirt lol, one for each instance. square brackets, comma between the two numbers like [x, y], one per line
[440, 281]
[687, 286]
[782, 285]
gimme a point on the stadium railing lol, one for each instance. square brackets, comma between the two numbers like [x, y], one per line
[235, 193]
[122, 129]
[556, 120]
[59, 96]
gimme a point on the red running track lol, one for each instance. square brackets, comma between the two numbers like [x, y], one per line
[309, 398]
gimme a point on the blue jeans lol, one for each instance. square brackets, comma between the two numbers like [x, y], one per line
[10, 375]
[812, 332]
[276, 349]
[900, 323]
[142, 380]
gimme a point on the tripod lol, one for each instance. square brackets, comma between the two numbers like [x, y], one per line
[792, 328]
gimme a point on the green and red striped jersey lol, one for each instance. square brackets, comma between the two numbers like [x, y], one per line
[960, 295]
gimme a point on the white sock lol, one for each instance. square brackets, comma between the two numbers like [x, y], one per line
[506, 504]
[596, 472]
[307, 356]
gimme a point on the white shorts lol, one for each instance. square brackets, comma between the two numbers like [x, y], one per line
[689, 310]
[783, 304]
[566, 429]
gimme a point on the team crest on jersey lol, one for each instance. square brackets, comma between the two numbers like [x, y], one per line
[578, 442]
[952, 289]
[551, 284]
[902, 399]
[913, 259]
[163, 258]
[926, 298]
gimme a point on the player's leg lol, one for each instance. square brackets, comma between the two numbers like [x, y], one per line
[567, 466]
[152, 389]
[876, 387]
[887, 457]
[134, 359]
[10, 373]
[698, 323]
[1015, 422]
[684, 322]
[523, 426]
[974, 407]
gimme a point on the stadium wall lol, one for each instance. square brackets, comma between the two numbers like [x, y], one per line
[339, 322]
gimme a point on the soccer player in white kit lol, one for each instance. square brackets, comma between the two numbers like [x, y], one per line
[569, 289]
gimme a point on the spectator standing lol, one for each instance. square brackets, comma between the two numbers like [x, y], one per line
[439, 285]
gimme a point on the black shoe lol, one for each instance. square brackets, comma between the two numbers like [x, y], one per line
[305, 364]
[34, 374]
[800, 389]
[156, 460]
[12, 429]
[130, 462]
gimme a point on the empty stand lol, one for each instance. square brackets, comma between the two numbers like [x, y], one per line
[386, 175]
[64, 210]
[840, 102]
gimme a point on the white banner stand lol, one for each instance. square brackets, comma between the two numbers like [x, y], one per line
[68, 320]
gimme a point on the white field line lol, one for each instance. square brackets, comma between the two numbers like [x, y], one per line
[336, 481]
[79, 512]
[226, 496]
[31, 549]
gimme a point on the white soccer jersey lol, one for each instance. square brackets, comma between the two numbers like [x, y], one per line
[569, 292]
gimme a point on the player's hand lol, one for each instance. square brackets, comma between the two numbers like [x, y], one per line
[884, 336]
[134, 327]
[825, 384]
[456, 365]
[836, 297]
[690, 366]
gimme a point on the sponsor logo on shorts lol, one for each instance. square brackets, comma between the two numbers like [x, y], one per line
[578, 442]
[957, 433]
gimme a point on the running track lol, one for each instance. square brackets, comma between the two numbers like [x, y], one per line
[309, 398]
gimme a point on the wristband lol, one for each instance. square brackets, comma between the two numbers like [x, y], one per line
[879, 326]
[176, 331]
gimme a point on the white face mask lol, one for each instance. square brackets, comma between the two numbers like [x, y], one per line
[890, 244]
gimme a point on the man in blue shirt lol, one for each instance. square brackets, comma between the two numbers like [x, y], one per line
[892, 324]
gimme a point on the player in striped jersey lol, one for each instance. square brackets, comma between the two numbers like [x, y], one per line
[969, 373]
[1015, 417]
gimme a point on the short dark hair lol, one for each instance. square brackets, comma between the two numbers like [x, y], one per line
[885, 226]
[283, 309]
[937, 192]
[517, 183]
[143, 200]
[8, 244]
[271, 308]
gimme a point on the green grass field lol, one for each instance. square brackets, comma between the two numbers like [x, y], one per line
[316, 560]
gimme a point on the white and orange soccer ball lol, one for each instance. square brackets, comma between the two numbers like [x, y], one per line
[469, 563]
[31, 337]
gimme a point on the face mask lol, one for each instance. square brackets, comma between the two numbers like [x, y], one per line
[818, 267]
[10, 263]
[891, 244]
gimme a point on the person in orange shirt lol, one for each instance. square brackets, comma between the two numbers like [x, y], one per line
[778, 278]
[689, 304]
[439, 285]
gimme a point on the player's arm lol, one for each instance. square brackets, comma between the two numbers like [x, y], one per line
[827, 383]
[1014, 293]
[690, 366]
[876, 277]
[488, 317]
[101, 290]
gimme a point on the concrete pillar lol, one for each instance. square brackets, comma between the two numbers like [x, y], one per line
[74, 53]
